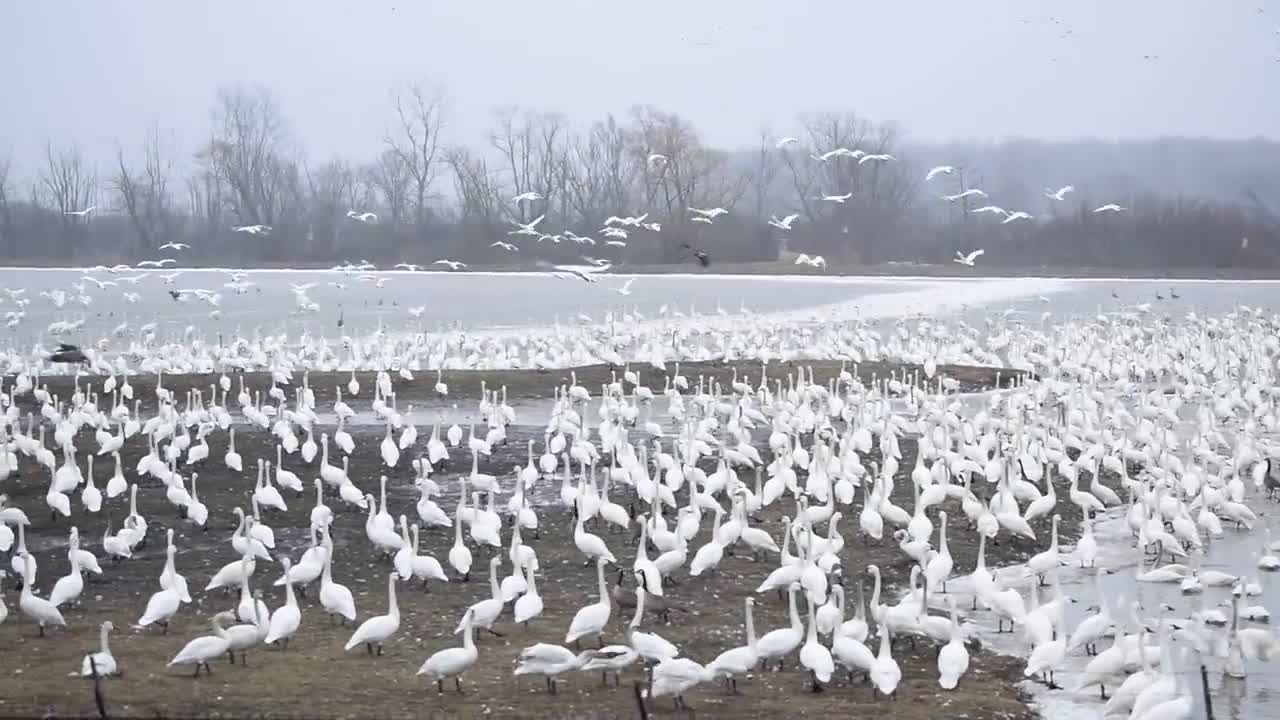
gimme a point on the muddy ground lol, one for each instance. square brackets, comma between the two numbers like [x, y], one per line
[315, 678]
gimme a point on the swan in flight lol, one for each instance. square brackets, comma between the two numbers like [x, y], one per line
[626, 287]
[991, 209]
[784, 223]
[504, 246]
[408, 266]
[616, 243]
[968, 259]
[174, 246]
[252, 229]
[453, 264]
[1110, 207]
[1060, 193]
[81, 213]
[364, 217]
[837, 198]
[785, 142]
[713, 213]
[702, 219]
[940, 170]
[528, 228]
[526, 197]
[971, 192]
[657, 159]
[1019, 215]
[156, 263]
[817, 260]
[882, 157]
[840, 152]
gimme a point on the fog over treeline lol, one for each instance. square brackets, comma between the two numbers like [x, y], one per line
[1188, 202]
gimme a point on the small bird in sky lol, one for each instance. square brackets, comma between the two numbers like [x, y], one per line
[1060, 193]
[364, 217]
[1019, 215]
[252, 229]
[504, 246]
[626, 287]
[967, 260]
[174, 246]
[940, 170]
[837, 198]
[1110, 207]
[702, 219]
[526, 197]
[81, 213]
[991, 209]
[156, 263]
[657, 159]
[703, 258]
[453, 264]
[785, 142]
[408, 266]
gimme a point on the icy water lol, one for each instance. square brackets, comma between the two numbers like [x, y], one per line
[514, 300]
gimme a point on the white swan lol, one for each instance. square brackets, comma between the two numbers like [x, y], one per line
[377, 630]
[592, 619]
[201, 650]
[452, 662]
[101, 662]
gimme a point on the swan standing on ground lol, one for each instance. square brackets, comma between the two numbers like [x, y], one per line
[41, 611]
[550, 661]
[285, 620]
[377, 630]
[815, 656]
[592, 619]
[201, 650]
[885, 673]
[737, 661]
[452, 662]
[334, 597]
[103, 662]
[953, 658]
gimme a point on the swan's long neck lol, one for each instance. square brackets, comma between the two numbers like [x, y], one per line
[795, 614]
[751, 627]
[392, 608]
[635, 619]
[604, 589]
[494, 588]
[467, 641]
[103, 640]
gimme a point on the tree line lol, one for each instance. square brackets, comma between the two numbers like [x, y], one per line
[867, 204]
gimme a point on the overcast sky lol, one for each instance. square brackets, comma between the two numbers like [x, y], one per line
[101, 72]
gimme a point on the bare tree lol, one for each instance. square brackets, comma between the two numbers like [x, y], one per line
[600, 174]
[873, 194]
[332, 189]
[6, 199]
[246, 153]
[534, 154]
[678, 172]
[67, 184]
[390, 177]
[414, 146]
[144, 193]
[478, 194]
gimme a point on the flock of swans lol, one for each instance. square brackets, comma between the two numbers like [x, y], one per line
[1179, 417]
